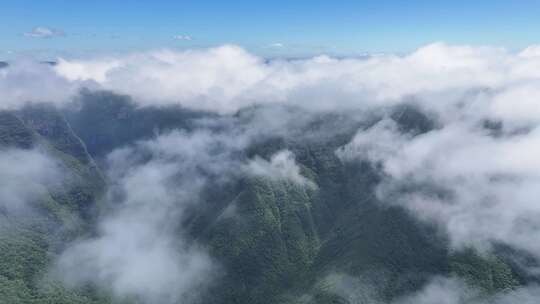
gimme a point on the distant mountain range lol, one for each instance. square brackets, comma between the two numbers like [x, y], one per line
[4, 64]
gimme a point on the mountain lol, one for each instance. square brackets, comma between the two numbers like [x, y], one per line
[30, 239]
[275, 240]
[106, 121]
[4, 64]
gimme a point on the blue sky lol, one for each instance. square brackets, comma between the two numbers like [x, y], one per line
[268, 28]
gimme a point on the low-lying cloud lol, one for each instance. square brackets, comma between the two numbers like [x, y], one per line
[481, 186]
[26, 81]
[454, 291]
[139, 251]
[281, 167]
[475, 173]
[483, 98]
[25, 176]
[227, 78]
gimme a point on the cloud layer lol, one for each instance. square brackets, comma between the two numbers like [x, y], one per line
[482, 155]
[26, 81]
[227, 78]
[475, 174]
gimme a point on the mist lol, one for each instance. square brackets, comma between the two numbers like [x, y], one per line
[27, 175]
[473, 174]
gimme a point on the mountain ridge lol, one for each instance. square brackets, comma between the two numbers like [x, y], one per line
[282, 242]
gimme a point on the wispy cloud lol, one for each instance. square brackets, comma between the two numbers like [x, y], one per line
[281, 166]
[277, 45]
[182, 37]
[137, 252]
[44, 32]
[25, 175]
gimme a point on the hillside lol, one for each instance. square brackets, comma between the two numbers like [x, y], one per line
[30, 238]
[275, 240]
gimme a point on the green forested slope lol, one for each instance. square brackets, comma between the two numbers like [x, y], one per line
[29, 241]
[275, 241]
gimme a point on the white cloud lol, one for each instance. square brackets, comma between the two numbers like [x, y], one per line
[531, 51]
[44, 32]
[25, 176]
[139, 251]
[377, 144]
[25, 81]
[453, 291]
[277, 45]
[518, 104]
[481, 188]
[228, 78]
[183, 37]
[90, 70]
[443, 291]
[281, 166]
[206, 79]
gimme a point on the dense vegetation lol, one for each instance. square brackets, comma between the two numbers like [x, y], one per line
[291, 244]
